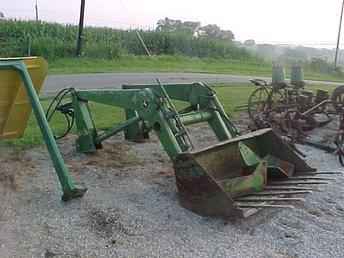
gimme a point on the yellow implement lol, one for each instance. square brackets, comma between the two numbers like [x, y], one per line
[15, 107]
[20, 81]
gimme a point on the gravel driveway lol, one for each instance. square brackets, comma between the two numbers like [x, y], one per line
[131, 210]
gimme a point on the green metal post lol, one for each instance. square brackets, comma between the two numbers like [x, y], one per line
[296, 76]
[87, 132]
[133, 132]
[70, 191]
[278, 74]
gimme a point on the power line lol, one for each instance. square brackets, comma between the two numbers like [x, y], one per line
[338, 40]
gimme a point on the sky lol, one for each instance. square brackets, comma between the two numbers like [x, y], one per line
[305, 22]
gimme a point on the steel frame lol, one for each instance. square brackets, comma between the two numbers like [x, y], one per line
[70, 190]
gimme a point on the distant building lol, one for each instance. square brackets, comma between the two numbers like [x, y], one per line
[2, 16]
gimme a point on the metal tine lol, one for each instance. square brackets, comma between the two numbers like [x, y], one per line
[267, 199]
[321, 173]
[328, 171]
[295, 188]
[298, 183]
[280, 193]
[309, 178]
[257, 206]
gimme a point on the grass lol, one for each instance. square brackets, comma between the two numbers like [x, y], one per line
[173, 64]
[107, 116]
[156, 64]
[104, 116]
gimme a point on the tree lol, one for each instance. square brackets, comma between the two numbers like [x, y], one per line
[227, 35]
[320, 65]
[170, 25]
[194, 28]
[250, 43]
[211, 30]
[2, 16]
[214, 32]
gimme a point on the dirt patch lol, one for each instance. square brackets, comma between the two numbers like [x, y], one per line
[110, 156]
[13, 165]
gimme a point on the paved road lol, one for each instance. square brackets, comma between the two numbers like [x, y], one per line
[115, 80]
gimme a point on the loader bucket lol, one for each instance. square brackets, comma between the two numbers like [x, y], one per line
[15, 108]
[210, 180]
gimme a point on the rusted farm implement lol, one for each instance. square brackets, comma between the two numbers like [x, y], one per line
[294, 112]
[234, 178]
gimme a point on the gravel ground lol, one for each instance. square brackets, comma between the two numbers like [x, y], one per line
[131, 210]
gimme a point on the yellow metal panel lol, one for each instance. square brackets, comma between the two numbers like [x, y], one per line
[15, 108]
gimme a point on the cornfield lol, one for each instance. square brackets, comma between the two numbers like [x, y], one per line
[53, 41]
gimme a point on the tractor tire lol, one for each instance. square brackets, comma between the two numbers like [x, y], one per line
[257, 103]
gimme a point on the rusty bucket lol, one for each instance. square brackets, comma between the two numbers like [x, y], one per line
[213, 181]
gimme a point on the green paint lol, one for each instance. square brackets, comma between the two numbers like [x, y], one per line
[249, 157]
[70, 191]
[247, 184]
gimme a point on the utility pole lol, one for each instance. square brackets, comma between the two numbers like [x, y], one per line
[81, 27]
[338, 40]
[36, 9]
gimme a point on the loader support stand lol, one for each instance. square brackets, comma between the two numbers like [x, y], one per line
[70, 191]
[87, 132]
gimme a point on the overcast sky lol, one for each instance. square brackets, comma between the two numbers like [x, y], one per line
[308, 22]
